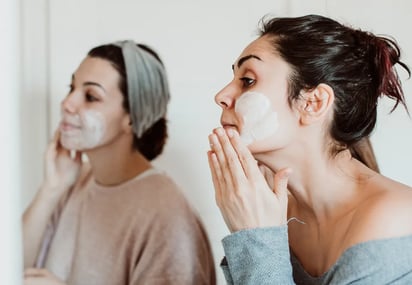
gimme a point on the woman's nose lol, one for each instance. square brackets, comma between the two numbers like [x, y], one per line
[225, 98]
[69, 104]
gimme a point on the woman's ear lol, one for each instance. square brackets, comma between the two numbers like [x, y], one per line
[127, 125]
[315, 104]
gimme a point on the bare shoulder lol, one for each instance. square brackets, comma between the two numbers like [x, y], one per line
[385, 213]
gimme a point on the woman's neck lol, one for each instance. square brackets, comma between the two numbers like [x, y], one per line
[322, 188]
[112, 167]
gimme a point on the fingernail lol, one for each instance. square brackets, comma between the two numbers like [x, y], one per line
[220, 131]
[211, 141]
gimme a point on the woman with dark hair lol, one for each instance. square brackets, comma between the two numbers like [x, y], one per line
[117, 219]
[363, 151]
[302, 104]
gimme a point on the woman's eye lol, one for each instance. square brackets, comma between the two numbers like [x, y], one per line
[247, 81]
[90, 98]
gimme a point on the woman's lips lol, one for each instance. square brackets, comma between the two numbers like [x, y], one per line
[67, 127]
[227, 126]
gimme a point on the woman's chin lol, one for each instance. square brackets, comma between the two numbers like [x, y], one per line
[259, 146]
[253, 146]
[70, 144]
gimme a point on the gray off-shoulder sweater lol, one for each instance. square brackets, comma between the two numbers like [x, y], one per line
[262, 256]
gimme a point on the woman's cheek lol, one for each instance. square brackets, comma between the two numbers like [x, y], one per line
[94, 129]
[259, 120]
[90, 134]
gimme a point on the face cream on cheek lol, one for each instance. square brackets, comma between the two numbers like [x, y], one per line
[93, 128]
[259, 121]
[89, 134]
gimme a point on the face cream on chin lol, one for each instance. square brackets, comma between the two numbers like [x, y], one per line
[87, 134]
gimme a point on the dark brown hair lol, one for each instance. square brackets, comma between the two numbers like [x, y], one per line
[363, 151]
[358, 65]
[152, 142]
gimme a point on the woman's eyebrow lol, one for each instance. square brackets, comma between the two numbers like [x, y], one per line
[245, 58]
[91, 83]
[95, 84]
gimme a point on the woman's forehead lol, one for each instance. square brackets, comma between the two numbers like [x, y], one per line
[97, 69]
[260, 47]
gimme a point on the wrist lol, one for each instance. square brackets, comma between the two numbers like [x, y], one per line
[52, 191]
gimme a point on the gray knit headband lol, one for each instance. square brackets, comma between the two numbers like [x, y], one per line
[147, 87]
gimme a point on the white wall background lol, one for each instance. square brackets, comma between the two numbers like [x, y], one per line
[10, 239]
[198, 41]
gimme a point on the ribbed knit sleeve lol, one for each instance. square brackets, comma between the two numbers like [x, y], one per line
[258, 256]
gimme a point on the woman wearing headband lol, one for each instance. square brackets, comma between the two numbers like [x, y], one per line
[302, 103]
[116, 219]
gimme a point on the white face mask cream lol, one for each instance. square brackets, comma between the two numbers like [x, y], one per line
[84, 131]
[259, 121]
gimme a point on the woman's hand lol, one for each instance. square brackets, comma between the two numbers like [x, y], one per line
[37, 276]
[61, 169]
[242, 193]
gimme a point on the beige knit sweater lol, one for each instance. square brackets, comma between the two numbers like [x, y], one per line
[140, 232]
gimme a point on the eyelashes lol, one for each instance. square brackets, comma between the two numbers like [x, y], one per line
[71, 88]
[247, 82]
[87, 96]
[91, 98]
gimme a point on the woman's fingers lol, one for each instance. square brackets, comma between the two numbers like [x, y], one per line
[226, 176]
[234, 158]
[40, 276]
[56, 136]
[52, 147]
[242, 192]
[215, 170]
[35, 272]
[248, 162]
[55, 147]
[230, 159]
[77, 157]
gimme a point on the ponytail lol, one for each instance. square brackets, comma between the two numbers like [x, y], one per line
[363, 151]
[357, 65]
[385, 55]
